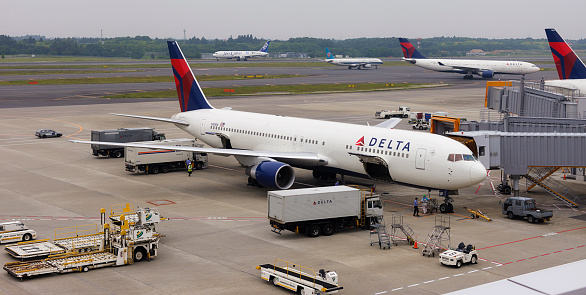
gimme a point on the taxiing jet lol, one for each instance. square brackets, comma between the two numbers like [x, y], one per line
[570, 67]
[365, 63]
[269, 146]
[468, 67]
[242, 55]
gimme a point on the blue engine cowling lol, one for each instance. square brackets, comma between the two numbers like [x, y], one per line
[272, 174]
[487, 74]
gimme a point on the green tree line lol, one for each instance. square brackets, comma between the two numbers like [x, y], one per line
[146, 47]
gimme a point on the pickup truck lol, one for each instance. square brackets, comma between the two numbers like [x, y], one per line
[525, 207]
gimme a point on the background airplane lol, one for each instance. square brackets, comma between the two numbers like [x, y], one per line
[269, 146]
[365, 63]
[482, 68]
[242, 55]
[570, 67]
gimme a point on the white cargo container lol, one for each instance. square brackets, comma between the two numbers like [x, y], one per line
[154, 161]
[322, 210]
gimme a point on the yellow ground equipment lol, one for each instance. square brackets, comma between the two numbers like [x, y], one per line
[477, 214]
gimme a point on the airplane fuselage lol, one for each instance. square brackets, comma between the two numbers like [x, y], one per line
[462, 66]
[354, 62]
[413, 158]
[240, 55]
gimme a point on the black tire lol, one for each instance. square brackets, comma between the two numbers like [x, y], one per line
[316, 174]
[507, 190]
[198, 166]
[510, 215]
[44, 136]
[165, 169]
[154, 170]
[458, 263]
[530, 219]
[85, 269]
[27, 237]
[473, 215]
[251, 181]
[59, 135]
[328, 229]
[314, 231]
[443, 208]
[117, 154]
[420, 127]
[474, 259]
[450, 208]
[139, 254]
[387, 117]
[405, 116]
[414, 127]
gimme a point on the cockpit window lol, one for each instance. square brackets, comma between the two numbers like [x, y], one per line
[460, 157]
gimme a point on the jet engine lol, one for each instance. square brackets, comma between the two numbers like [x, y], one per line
[368, 66]
[487, 74]
[272, 174]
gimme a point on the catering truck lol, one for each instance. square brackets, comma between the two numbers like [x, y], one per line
[121, 135]
[322, 210]
[149, 161]
[402, 112]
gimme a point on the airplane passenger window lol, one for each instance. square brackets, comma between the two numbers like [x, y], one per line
[406, 155]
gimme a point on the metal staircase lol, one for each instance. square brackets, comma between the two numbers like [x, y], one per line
[540, 176]
[438, 236]
[396, 226]
[379, 229]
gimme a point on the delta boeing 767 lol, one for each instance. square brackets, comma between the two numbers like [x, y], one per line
[269, 146]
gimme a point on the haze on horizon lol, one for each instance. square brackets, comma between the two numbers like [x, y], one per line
[282, 20]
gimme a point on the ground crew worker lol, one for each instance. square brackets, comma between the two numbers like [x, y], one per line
[415, 208]
[189, 169]
[424, 204]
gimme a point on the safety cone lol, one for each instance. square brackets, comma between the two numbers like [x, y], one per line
[564, 176]
[415, 244]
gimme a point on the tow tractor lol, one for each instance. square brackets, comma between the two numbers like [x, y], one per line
[14, 231]
[464, 254]
[290, 276]
[129, 236]
[477, 214]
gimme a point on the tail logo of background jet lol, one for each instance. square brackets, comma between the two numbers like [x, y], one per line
[265, 47]
[360, 142]
[568, 64]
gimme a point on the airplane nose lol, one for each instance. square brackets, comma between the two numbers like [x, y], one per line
[477, 173]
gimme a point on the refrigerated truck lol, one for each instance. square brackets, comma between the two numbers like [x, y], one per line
[151, 161]
[121, 135]
[322, 210]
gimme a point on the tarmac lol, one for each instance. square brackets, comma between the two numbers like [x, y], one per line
[217, 232]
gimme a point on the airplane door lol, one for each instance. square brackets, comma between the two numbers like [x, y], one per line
[301, 141]
[202, 127]
[420, 159]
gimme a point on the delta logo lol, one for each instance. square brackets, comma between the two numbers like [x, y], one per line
[322, 202]
[139, 234]
[398, 145]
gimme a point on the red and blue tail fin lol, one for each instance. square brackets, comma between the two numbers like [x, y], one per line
[188, 90]
[409, 51]
[568, 64]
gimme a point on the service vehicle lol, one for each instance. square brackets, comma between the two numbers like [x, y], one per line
[300, 279]
[402, 112]
[464, 254]
[149, 161]
[322, 210]
[121, 135]
[15, 231]
[128, 237]
[421, 125]
[525, 207]
[44, 133]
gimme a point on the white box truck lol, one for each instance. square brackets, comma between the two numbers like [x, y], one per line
[153, 161]
[322, 210]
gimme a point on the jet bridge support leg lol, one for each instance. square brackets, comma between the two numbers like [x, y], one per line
[515, 179]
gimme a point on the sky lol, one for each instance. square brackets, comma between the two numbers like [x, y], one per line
[281, 20]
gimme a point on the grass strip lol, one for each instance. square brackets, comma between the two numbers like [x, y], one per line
[154, 79]
[284, 89]
[67, 72]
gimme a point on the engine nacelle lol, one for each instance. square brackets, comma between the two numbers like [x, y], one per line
[368, 66]
[272, 174]
[487, 74]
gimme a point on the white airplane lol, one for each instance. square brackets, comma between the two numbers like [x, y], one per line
[468, 67]
[365, 63]
[570, 67]
[242, 55]
[269, 146]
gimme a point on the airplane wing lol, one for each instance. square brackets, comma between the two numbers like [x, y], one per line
[302, 157]
[471, 69]
[389, 124]
[168, 120]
